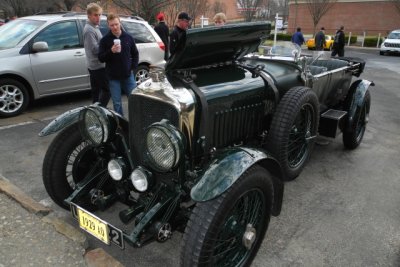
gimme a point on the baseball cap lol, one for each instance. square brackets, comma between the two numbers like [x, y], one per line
[184, 15]
[160, 16]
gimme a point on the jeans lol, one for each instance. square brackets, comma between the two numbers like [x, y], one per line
[117, 87]
[99, 85]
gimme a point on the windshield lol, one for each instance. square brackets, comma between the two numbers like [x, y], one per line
[13, 32]
[282, 49]
[394, 35]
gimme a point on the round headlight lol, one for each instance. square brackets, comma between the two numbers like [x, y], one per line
[140, 180]
[116, 169]
[95, 125]
[164, 146]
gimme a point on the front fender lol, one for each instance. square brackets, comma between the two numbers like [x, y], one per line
[72, 116]
[228, 166]
[64, 120]
[358, 90]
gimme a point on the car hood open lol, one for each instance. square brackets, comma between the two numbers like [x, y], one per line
[214, 45]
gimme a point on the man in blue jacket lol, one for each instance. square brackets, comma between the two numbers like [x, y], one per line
[118, 50]
[297, 37]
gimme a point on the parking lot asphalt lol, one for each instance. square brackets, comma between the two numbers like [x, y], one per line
[341, 211]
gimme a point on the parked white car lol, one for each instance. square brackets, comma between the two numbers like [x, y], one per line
[30, 69]
[391, 43]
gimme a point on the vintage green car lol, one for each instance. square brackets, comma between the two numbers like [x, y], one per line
[209, 142]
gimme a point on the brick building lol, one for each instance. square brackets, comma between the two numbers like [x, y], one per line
[372, 16]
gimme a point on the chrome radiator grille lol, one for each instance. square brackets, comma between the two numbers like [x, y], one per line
[144, 111]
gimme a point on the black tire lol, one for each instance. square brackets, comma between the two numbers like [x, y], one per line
[141, 74]
[287, 141]
[353, 134]
[225, 219]
[67, 161]
[14, 97]
[381, 53]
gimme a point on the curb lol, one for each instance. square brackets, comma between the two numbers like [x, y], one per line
[99, 258]
[40, 210]
[23, 199]
[94, 258]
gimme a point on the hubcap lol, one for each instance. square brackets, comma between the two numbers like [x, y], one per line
[141, 76]
[11, 98]
[164, 233]
[249, 236]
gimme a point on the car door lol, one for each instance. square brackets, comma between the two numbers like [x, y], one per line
[63, 67]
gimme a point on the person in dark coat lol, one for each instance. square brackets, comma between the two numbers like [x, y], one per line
[338, 44]
[118, 50]
[177, 39]
[162, 30]
[320, 40]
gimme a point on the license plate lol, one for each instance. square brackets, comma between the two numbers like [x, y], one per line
[98, 228]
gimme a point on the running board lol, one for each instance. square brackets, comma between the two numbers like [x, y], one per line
[331, 122]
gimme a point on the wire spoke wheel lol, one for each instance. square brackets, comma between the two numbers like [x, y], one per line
[299, 136]
[69, 160]
[228, 230]
[293, 129]
[229, 249]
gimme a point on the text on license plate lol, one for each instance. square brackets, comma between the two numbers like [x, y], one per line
[93, 226]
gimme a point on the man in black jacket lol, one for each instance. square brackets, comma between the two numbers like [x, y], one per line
[118, 50]
[338, 44]
[162, 30]
[320, 40]
[177, 38]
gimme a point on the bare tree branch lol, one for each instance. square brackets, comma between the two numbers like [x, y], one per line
[218, 7]
[318, 9]
[397, 5]
[195, 8]
[146, 9]
[248, 8]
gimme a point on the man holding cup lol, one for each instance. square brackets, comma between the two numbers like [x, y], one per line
[118, 50]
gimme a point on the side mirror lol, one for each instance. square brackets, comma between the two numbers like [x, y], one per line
[40, 47]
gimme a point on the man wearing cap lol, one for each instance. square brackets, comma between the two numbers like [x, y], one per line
[320, 40]
[163, 31]
[177, 39]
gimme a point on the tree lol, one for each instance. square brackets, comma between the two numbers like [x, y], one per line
[195, 8]
[248, 8]
[218, 7]
[318, 9]
[24, 7]
[397, 5]
[172, 11]
[147, 9]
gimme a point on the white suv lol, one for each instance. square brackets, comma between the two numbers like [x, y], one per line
[43, 55]
[391, 43]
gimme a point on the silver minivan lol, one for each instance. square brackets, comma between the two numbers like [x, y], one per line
[43, 55]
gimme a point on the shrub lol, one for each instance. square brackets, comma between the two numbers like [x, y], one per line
[353, 39]
[281, 37]
[371, 41]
